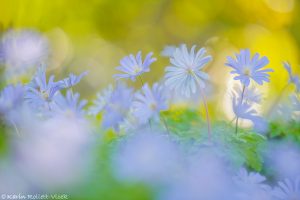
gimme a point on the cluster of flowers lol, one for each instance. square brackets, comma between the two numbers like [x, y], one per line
[147, 155]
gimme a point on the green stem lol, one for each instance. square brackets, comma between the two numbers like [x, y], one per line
[237, 118]
[165, 124]
[207, 114]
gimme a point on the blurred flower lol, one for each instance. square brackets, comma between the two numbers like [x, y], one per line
[145, 156]
[134, 66]
[102, 100]
[23, 49]
[242, 109]
[168, 51]
[295, 102]
[69, 105]
[115, 105]
[287, 190]
[249, 179]
[284, 159]
[39, 93]
[149, 102]
[292, 78]
[251, 95]
[73, 80]
[54, 154]
[11, 97]
[205, 177]
[185, 73]
[248, 68]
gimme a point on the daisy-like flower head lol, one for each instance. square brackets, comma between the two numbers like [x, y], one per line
[69, 105]
[114, 103]
[149, 102]
[101, 100]
[185, 73]
[134, 66]
[39, 92]
[72, 79]
[292, 78]
[248, 68]
[287, 190]
[249, 179]
[21, 50]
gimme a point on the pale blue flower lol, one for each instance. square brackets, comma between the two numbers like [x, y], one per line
[134, 66]
[145, 156]
[292, 78]
[101, 101]
[249, 179]
[39, 92]
[295, 102]
[23, 49]
[11, 97]
[149, 102]
[242, 109]
[114, 105]
[287, 190]
[248, 68]
[251, 186]
[251, 95]
[69, 105]
[185, 75]
[168, 51]
[72, 79]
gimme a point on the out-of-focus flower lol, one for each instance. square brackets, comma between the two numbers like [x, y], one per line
[134, 66]
[102, 100]
[287, 190]
[295, 102]
[11, 97]
[72, 79]
[242, 109]
[248, 68]
[22, 50]
[54, 154]
[249, 179]
[115, 105]
[168, 51]
[39, 93]
[68, 105]
[251, 95]
[204, 178]
[292, 78]
[149, 102]
[145, 156]
[284, 159]
[185, 72]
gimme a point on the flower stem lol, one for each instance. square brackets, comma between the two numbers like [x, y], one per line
[207, 114]
[237, 118]
[165, 124]
[141, 80]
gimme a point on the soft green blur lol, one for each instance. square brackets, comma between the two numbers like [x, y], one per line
[94, 35]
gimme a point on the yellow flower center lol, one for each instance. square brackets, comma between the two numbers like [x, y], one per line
[45, 95]
[153, 106]
[247, 71]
